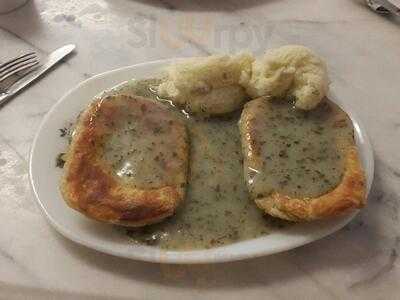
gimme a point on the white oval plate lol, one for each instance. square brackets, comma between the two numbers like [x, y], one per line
[44, 177]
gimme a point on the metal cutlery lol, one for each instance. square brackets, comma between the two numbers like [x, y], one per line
[18, 64]
[385, 6]
[32, 71]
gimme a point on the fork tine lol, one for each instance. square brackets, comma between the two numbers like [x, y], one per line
[18, 68]
[16, 64]
[16, 60]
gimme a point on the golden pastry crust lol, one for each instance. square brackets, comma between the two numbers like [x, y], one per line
[348, 195]
[90, 185]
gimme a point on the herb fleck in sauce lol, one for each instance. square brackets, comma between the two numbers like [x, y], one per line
[296, 152]
[217, 209]
[60, 160]
[140, 147]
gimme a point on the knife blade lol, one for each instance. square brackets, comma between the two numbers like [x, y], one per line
[52, 59]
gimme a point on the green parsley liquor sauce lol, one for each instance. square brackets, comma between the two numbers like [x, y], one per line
[217, 209]
[297, 153]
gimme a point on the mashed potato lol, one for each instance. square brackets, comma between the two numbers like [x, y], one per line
[207, 85]
[286, 72]
[222, 83]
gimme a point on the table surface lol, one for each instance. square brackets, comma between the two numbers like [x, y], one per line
[362, 50]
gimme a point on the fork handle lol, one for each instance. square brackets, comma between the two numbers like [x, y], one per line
[4, 97]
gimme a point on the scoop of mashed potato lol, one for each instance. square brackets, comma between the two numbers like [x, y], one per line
[286, 72]
[207, 85]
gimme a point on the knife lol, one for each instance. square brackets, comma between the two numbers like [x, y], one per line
[385, 6]
[53, 58]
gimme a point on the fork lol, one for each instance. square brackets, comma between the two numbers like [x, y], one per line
[21, 63]
[26, 70]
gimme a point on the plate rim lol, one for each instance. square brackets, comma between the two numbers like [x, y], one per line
[191, 256]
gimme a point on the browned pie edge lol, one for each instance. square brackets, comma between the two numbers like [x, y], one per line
[350, 194]
[89, 187]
